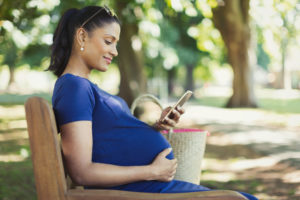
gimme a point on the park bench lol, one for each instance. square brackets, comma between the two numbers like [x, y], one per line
[51, 177]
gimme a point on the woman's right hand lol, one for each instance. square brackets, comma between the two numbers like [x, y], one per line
[162, 168]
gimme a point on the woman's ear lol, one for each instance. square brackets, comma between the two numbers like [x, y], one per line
[81, 37]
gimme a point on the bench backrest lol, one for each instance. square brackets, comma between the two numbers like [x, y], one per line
[45, 150]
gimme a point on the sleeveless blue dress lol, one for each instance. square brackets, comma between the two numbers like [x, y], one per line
[118, 137]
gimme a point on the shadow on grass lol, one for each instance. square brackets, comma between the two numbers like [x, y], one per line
[230, 152]
[249, 186]
[14, 146]
[17, 180]
[258, 181]
[12, 130]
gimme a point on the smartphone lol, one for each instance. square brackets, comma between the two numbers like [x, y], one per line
[180, 102]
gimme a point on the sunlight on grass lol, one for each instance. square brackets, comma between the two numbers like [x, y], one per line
[281, 101]
[220, 177]
[267, 104]
[13, 136]
[292, 177]
[12, 158]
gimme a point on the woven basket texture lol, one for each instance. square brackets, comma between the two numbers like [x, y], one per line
[188, 147]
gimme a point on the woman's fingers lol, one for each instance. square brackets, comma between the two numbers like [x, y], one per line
[180, 110]
[165, 152]
[164, 167]
[175, 115]
[170, 121]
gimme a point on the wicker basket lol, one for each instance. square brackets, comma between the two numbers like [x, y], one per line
[188, 146]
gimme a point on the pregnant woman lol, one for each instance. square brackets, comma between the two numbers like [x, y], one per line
[103, 144]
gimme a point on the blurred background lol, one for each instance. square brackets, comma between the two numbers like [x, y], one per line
[239, 57]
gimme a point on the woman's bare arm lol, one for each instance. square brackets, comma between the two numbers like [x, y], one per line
[77, 149]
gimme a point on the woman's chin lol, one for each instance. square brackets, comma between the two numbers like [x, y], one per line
[103, 68]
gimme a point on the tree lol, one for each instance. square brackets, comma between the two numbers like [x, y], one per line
[133, 77]
[185, 45]
[232, 20]
[21, 36]
[173, 45]
[288, 12]
[277, 23]
[10, 18]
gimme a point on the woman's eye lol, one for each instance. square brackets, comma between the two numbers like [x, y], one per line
[107, 42]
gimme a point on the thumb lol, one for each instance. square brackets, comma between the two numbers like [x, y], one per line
[165, 152]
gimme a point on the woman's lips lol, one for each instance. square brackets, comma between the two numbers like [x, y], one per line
[108, 60]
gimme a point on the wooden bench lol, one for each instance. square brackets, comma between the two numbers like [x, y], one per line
[50, 176]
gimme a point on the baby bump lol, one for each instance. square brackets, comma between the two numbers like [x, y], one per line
[129, 146]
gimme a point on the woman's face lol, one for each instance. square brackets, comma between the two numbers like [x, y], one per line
[101, 46]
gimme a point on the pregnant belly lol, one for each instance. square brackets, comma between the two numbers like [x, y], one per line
[129, 146]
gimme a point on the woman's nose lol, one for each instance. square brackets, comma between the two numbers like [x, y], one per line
[114, 51]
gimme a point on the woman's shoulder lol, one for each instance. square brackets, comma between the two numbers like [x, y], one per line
[72, 85]
[70, 80]
[69, 87]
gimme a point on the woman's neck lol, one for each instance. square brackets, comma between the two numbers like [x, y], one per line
[77, 67]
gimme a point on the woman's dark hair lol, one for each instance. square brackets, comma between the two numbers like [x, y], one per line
[89, 18]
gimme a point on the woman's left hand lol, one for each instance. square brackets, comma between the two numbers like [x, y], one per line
[170, 121]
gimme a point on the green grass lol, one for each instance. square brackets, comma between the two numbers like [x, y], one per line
[17, 181]
[275, 105]
[16, 177]
[17, 99]
[281, 105]
[211, 101]
[251, 186]
[13, 146]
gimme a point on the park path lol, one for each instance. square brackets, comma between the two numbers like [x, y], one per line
[250, 149]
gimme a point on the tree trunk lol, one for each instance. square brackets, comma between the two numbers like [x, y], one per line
[232, 20]
[133, 79]
[189, 77]
[11, 75]
[171, 80]
[11, 80]
[285, 82]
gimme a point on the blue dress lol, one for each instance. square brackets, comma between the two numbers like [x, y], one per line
[118, 137]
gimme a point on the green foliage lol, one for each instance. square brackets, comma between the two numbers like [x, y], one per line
[20, 17]
[10, 52]
[23, 26]
[276, 24]
[34, 55]
[263, 58]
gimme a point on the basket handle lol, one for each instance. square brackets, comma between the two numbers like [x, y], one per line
[143, 98]
[149, 97]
